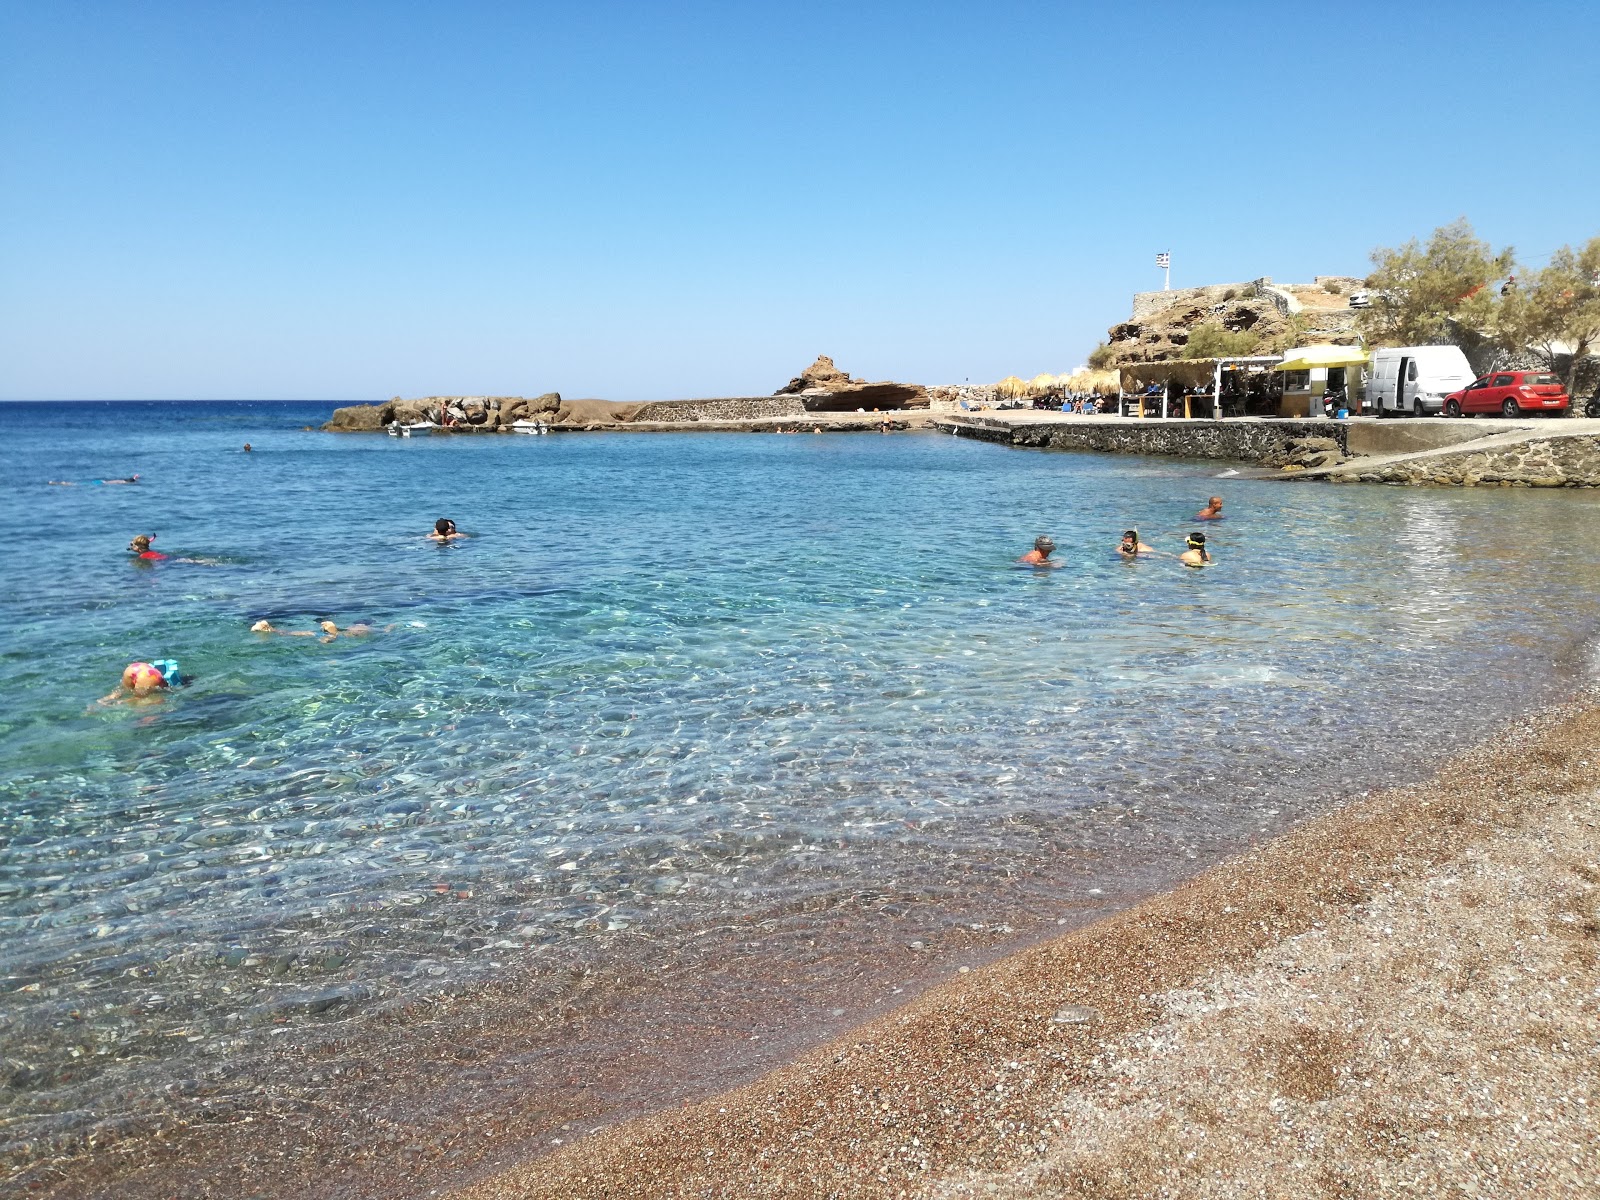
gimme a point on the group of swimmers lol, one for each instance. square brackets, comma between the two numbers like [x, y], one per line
[1194, 554]
[145, 682]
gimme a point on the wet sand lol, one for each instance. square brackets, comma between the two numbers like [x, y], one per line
[1400, 996]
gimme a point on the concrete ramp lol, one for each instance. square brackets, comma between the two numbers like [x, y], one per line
[1411, 436]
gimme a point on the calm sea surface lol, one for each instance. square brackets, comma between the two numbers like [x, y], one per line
[668, 683]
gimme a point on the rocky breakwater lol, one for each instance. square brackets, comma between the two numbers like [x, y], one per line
[1569, 460]
[822, 387]
[469, 414]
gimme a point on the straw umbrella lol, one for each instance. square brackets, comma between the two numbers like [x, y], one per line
[1011, 388]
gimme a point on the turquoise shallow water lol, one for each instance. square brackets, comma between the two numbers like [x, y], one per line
[669, 679]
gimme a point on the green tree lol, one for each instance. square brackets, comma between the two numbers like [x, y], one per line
[1555, 312]
[1438, 293]
[1100, 357]
[1214, 340]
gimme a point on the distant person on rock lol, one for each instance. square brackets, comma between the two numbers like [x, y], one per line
[1212, 511]
[1039, 556]
[1196, 555]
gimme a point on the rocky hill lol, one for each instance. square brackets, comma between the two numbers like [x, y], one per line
[1275, 317]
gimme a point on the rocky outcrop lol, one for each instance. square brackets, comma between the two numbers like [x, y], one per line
[360, 418]
[1307, 454]
[484, 414]
[820, 376]
[825, 388]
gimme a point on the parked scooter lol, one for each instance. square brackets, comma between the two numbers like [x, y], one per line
[1592, 408]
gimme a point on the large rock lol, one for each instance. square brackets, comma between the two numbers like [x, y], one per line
[866, 396]
[820, 376]
[360, 418]
[825, 388]
[550, 402]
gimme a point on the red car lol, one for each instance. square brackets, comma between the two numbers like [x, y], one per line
[1511, 394]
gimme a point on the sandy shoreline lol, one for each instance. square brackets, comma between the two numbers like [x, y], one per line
[1400, 994]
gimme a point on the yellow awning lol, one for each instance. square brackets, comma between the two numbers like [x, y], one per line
[1324, 355]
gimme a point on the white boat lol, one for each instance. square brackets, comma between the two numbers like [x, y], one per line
[526, 426]
[398, 430]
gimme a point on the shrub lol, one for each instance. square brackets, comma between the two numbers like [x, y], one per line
[1213, 340]
[1100, 357]
[1331, 286]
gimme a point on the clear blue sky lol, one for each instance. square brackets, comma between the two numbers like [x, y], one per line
[356, 200]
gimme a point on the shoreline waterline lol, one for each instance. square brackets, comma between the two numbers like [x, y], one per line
[961, 1092]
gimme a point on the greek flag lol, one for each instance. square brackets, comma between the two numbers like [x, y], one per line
[1164, 259]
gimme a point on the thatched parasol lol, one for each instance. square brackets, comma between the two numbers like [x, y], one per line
[1041, 385]
[1011, 388]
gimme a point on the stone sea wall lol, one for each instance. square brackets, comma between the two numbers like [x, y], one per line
[730, 408]
[1268, 442]
[1572, 461]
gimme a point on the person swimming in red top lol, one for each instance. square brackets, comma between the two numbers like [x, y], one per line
[140, 547]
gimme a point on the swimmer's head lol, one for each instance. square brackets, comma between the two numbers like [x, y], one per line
[444, 527]
[142, 542]
[1197, 541]
[261, 627]
[1044, 544]
[1131, 535]
[328, 627]
[1215, 502]
[142, 678]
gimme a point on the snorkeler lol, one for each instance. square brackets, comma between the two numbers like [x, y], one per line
[1196, 555]
[134, 478]
[1131, 547]
[327, 630]
[140, 548]
[1212, 511]
[144, 682]
[1039, 556]
[444, 529]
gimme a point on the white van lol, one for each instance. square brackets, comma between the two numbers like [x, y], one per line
[1415, 379]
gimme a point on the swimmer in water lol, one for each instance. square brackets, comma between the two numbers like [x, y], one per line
[1196, 555]
[1039, 556]
[140, 548]
[327, 630]
[444, 530]
[269, 627]
[144, 683]
[247, 447]
[130, 479]
[1131, 547]
[1212, 511]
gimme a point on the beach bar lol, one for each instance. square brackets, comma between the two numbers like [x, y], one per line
[1222, 385]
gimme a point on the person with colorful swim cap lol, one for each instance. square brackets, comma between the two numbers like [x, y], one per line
[145, 682]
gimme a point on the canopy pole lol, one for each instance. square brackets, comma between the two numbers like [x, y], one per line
[1216, 393]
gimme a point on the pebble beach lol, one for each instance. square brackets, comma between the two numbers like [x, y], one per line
[1399, 997]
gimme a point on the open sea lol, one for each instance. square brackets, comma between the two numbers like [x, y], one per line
[689, 698]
